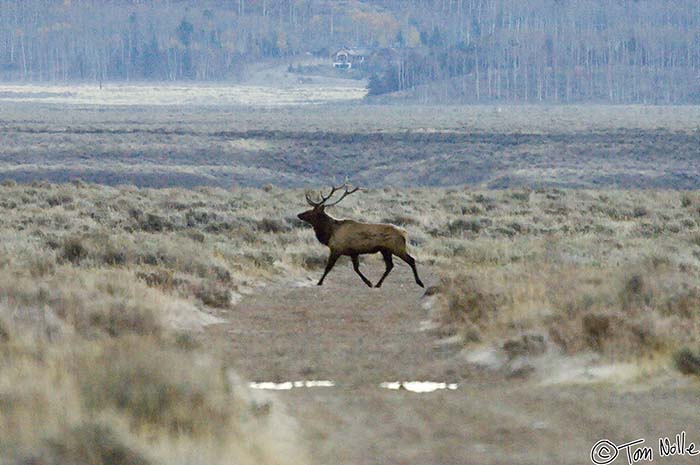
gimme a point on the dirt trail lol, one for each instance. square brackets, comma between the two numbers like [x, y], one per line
[343, 330]
[359, 337]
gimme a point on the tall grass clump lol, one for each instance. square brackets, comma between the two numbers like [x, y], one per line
[104, 294]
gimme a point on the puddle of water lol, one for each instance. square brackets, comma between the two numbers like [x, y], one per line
[412, 386]
[291, 385]
[419, 386]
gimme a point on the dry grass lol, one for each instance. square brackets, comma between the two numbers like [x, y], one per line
[103, 291]
[100, 309]
[376, 145]
[614, 272]
[620, 314]
[129, 400]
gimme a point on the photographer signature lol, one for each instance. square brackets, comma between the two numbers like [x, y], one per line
[605, 451]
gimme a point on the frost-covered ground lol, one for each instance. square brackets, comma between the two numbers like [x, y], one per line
[184, 94]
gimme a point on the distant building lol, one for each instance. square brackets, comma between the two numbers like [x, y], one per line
[346, 58]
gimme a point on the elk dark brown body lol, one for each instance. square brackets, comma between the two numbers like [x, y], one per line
[353, 238]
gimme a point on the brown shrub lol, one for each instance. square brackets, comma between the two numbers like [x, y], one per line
[469, 299]
[524, 345]
[4, 332]
[153, 223]
[695, 240]
[59, 199]
[196, 236]
[73, 250]
[270, 225]
[89, 444]
[596, 328]
[639, 212]
[634, 292]
[522, 196]
[686, 200]
[214, 294]
[684, 302]
[687, 362]
[400, 220]
[159, 277]
[111, 253]
[311, 260]
[461, 225]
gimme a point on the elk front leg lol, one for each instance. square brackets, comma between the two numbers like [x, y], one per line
[332, 258]
[356, 267]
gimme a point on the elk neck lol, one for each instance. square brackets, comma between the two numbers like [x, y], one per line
[324, 226]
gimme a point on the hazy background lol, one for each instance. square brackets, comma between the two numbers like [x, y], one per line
[427, 50]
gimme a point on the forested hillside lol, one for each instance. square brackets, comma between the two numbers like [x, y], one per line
[469, 50]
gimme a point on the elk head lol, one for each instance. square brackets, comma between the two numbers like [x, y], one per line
[317, 211]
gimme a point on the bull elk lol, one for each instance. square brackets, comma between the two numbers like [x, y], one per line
[352, 238]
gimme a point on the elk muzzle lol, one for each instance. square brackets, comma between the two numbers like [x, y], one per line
[306, 216]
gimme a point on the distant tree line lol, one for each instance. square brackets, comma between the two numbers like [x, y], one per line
[619, 51]
[550, 50]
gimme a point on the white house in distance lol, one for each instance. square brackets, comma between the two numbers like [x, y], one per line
[346, 58]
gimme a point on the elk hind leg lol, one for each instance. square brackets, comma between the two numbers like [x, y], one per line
[412, 263]
[356, 267]
[389, 266]
[332, 258]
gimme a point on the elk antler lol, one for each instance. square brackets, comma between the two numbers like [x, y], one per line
[326, 198]
[345, 194]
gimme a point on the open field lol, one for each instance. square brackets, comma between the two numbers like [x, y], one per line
[269, 87]
[132, 316]
[296, 146]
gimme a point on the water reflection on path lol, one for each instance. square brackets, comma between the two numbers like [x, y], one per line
[412, 386]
